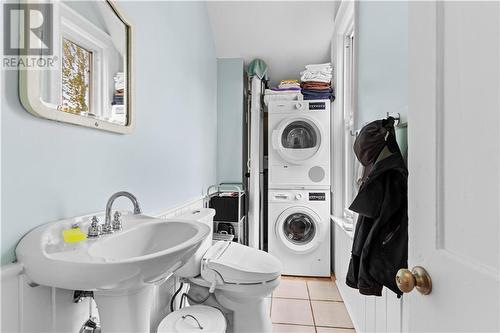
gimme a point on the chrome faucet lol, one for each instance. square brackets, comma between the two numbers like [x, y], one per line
[108, 227]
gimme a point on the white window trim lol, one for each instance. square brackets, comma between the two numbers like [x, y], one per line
[30, 92]
[348, 120]
[79, 30]
[344, 28]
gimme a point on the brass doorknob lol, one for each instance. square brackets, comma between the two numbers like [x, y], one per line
[418, 278]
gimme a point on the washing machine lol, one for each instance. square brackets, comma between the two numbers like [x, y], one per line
[299, 231]
[299, 144]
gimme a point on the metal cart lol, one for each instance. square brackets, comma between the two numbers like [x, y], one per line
[228, 221]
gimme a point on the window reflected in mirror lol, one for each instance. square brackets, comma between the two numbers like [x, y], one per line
[92, 79]
[76, 78]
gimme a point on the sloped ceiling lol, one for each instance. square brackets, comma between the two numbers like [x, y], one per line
[287, 35]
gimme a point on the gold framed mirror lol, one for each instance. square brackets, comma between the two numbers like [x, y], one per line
[90, 82]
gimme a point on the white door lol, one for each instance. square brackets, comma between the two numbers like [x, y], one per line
[454, 149]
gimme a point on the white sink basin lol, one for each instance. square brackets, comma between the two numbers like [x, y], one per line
[145, 250]
[118, 267]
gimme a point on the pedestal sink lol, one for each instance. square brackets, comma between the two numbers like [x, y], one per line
[119, 267]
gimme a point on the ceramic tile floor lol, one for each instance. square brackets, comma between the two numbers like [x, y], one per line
[308, 305]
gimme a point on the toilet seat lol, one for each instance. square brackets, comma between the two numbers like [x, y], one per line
[232, 263]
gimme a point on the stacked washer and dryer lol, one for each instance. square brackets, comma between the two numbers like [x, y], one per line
[299, 186]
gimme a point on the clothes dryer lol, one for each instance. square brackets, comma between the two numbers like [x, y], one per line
[299, 144]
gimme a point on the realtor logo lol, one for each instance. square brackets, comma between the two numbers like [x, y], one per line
[28, 29]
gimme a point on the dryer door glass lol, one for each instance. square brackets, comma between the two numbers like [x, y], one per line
[298, 141]
[299, 135]
[299, 228]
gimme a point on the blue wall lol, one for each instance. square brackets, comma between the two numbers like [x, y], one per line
[52, 170]
[230, 120]
[382, 59]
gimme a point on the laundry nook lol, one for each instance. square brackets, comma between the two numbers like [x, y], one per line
[249, 166]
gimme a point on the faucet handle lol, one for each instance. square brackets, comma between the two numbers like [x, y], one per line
[106, 227]
[117, 221]
[95, 228]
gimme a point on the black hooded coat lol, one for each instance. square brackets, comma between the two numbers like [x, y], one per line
[380, 246]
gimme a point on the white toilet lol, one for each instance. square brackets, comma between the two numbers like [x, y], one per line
[239, 276]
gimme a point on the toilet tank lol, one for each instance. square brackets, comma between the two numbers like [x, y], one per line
[193, 265]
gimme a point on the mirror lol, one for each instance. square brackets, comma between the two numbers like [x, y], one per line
[90, 83]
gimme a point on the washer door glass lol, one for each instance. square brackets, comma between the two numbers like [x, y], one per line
[299, 135]
[299, 228]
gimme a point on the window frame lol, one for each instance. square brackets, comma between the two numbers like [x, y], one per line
[37, 99]
[348, 170]
[99, 44]
[344, 58]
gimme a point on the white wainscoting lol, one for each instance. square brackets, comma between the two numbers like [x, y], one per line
[368, 313]
[45, 309]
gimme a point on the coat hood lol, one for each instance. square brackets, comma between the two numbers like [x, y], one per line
[372, 139]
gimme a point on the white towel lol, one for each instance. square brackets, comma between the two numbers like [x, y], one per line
[119, 81]
[317, 72]
[315, 76]
[281, 92]
[119, 85]
[320, 67]
[297, 96]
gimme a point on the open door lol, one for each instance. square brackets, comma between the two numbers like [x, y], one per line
[454, 164]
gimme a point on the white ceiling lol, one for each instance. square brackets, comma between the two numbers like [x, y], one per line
[287, 35]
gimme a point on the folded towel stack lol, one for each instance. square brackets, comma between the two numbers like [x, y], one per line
[317, 73]
[286, 90]
[118, 96]
[315, 82]
[285, 85]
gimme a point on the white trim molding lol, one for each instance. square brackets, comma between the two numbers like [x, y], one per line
[195, 203]
[345, 27]
[342, 224]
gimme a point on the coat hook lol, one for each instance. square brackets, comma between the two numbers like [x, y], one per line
[396, 116]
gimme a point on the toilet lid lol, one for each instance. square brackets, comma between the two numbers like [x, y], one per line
[238, 263]
[210, 319]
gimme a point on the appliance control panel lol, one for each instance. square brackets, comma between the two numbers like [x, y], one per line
[317, 196]
[299, 106]
[317, 106]
[297, 195]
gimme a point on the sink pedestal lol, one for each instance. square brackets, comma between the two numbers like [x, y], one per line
[124, 310]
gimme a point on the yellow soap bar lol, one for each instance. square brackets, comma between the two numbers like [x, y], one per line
[74, 235]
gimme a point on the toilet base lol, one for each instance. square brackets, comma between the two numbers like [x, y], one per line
[248, 304]
[248, 317]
